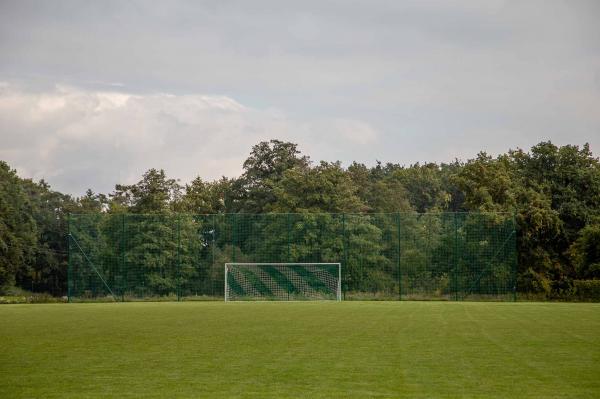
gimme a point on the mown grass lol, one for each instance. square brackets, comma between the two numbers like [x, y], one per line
[311, 350]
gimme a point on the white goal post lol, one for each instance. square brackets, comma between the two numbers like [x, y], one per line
[283, 281]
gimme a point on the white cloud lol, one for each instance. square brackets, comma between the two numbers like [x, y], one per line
[398, 82]
[78, 138]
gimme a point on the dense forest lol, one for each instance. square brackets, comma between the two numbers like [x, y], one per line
[554, 193]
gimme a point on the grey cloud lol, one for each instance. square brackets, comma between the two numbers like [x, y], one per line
[426, 80]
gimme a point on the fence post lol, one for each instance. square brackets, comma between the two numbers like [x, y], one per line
[233, 237]
[123, 267]
[288, 237]
[515, 256]
[212, 270]
[455, 257]
[178, 258]
[345, 246]
[399, 261]
[69, 271]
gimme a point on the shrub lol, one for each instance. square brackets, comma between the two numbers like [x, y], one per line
[535, 283]
[30, 298]
[587, 290]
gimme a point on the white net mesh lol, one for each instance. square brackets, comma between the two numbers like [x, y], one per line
[282, 281]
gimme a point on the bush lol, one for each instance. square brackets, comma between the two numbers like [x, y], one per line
[14, 296]
[535, 283]
[11, 290]
[587, 290]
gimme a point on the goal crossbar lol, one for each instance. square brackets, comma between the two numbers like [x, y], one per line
[301, 280]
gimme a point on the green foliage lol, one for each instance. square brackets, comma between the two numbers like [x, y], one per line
[423, 184]
[265, 167]
[153, 194]
[585, 252]
[435, 255]
[379, 191]
[587, 290]
[553, 191]
[487, 184]
[205, 197]
[15, 295]
[324, 188]
[18, 232]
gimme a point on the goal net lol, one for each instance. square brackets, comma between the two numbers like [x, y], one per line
[283, 281]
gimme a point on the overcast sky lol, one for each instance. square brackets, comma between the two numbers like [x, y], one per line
[94, 93]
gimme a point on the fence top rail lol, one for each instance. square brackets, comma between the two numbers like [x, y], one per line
[295, 213]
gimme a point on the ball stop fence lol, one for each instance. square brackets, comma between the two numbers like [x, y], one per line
[394, 256]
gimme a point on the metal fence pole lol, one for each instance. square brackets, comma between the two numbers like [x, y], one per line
[399, 254]
[69, 266]
[455, 257]
[289, 256]
[178, 258]
[515, 256]
[345, 245]
[214, 230]
[123, 266]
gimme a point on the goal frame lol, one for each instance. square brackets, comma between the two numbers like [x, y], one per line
[338, 264]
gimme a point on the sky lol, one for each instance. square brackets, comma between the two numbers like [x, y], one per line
[94, 93]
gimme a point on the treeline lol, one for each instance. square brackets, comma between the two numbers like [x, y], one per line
[553, 191]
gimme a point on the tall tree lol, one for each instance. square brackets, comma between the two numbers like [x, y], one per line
[264, 168]
[380, 191]
[18, 233]
[423, 184]
[324, 188]
[50, 210]
[155, 193]
[202, 197]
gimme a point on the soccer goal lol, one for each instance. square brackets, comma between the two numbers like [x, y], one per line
[283, 281]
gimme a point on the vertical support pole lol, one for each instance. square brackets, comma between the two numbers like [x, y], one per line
[345, 246]
[233, 237]
[288, 238]
[178, 258]
[233, 243]
[455, 257]
[69, 266]
[225, 284]
[339, 284]
[399, 255]
[123, 267]
[212, 268]
[515, 256]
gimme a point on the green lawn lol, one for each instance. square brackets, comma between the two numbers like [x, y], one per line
[312, 350]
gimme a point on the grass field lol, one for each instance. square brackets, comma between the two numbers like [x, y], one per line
[312, 350]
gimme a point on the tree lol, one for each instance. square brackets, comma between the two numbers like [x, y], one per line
[18, 233]
[266, 165]
[553, 191]
[155, 193]
[202, 197]
[50, 211]
[487, 184]
[423, 184]
[380, 191]
[92, 202]
[585, 253]
[323, 188]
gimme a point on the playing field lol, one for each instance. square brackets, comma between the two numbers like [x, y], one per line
[312, 350]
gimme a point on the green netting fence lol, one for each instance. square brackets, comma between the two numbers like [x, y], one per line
[393, 256]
